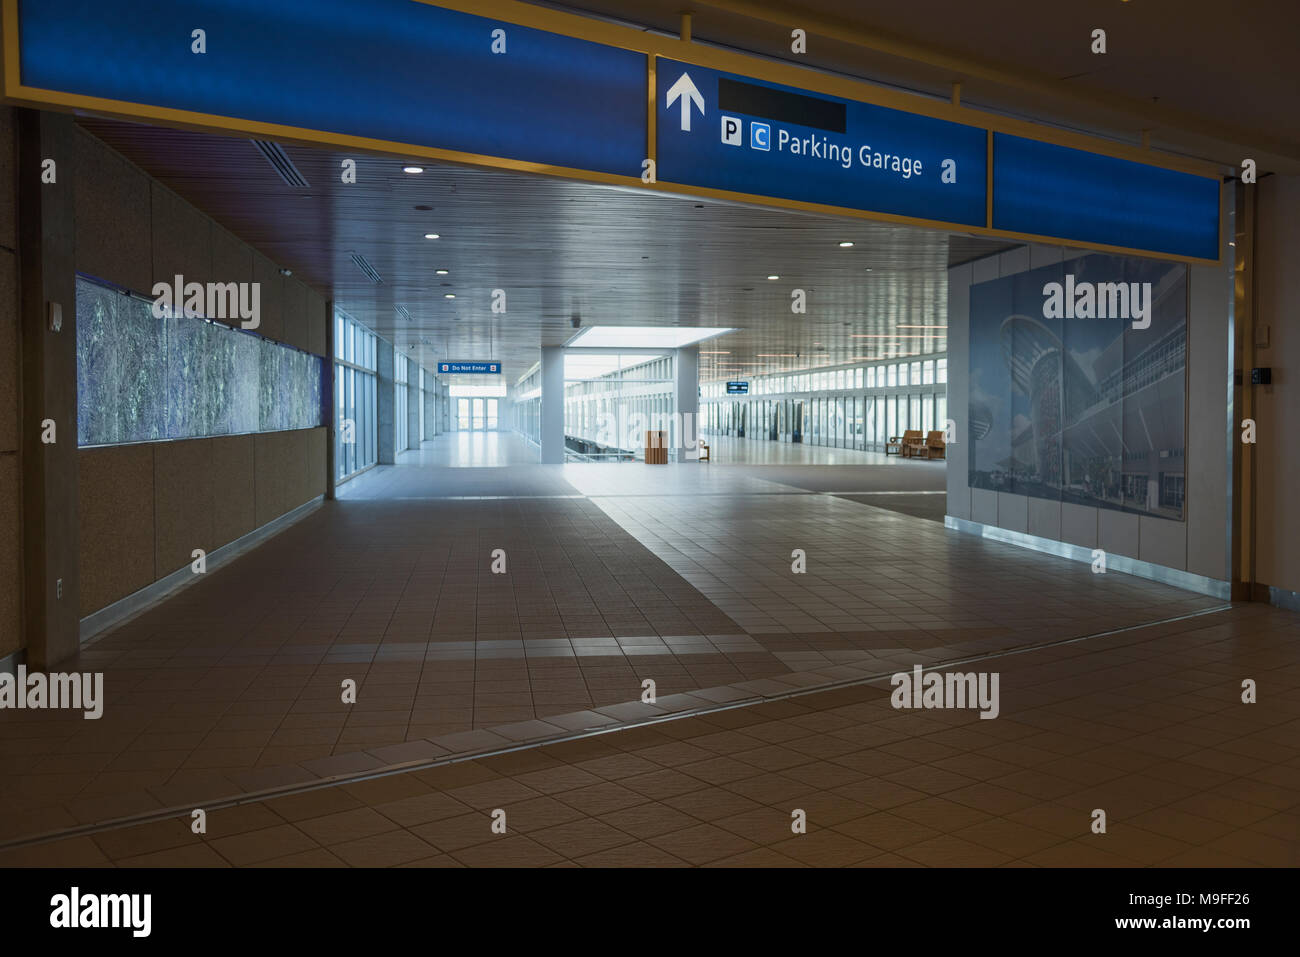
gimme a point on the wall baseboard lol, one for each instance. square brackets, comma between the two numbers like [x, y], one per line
[1119, 563]
[10, 662]
[1284, 598]
[110, 616]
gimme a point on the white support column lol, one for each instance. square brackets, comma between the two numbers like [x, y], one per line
[552, 425]
[385, 403]
[686, 402]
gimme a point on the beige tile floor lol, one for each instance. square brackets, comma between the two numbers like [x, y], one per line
[1147, 725]
[616, 574]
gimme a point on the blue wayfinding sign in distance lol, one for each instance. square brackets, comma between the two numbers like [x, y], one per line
[390, 70]
[474, 368]
[723, 131]
[737, 388]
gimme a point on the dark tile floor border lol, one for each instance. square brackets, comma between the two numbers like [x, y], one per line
[462, 746]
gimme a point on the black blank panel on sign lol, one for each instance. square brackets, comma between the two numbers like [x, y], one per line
[779, 105]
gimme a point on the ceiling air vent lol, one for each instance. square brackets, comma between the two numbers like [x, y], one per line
[364, 265]
[403, 313]
[279, 159]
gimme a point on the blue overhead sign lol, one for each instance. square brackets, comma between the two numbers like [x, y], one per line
[1054, 191]
[394, 71]
[407, 77]
[472, 368]
[723, 131]
[737, 388]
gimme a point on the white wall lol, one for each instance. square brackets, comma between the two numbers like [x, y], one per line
[1277, 408]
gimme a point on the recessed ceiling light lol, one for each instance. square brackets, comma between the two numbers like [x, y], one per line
[845, 245]
[448, 295]
[868, 269]
[440, 272]
[412, 169]
[431, 236]
[774, 276]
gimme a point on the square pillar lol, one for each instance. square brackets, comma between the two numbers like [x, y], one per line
[413, 408]
[552, 425]
[686, 403]
[384, 403]
[47, 286]
[329, 401]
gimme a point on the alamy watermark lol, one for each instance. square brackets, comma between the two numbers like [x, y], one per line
[627, 430]
[37, 691]
[1101, 300]
[952, 690]
[76, 910]
[227, 301]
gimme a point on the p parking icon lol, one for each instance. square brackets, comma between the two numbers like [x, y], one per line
[731, 130]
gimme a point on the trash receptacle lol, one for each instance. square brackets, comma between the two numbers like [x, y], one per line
[656, 448]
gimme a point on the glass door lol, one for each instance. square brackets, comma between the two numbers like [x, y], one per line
[462, 415]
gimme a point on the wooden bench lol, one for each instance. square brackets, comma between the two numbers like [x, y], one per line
[911, 443]
[935, 446]
[704, 453]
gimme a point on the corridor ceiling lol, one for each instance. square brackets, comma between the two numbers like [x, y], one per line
[560, 249]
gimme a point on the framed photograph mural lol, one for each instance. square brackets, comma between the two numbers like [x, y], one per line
[1078, 384]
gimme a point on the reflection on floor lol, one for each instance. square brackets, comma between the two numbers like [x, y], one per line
[1146, 725]
[614, 575]
[473, 450]
[932, 506]
[730, 450]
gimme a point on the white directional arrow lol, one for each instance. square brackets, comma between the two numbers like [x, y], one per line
[685, 91]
